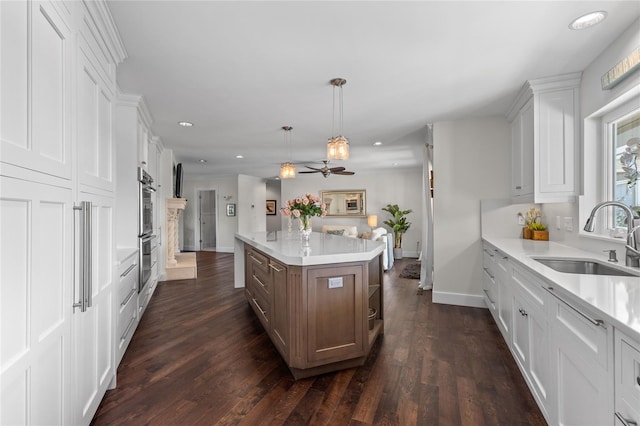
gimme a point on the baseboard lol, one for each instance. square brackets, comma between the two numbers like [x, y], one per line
[458, 299]
[224, 249]
[189, 248]
[410, 254]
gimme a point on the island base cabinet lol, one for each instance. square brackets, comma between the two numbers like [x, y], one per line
[627, 380]
[582, 363]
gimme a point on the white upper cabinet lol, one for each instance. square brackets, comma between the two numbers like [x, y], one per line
[545, 140]
[35, 82]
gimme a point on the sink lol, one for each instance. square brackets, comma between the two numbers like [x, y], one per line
[582, 266]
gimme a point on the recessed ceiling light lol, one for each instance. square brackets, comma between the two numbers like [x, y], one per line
[239, 156]
[202, 160]
[588, 20]
[378, 143]
[394, 164]
[185, 124]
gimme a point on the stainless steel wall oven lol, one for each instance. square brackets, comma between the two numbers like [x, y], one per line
[145, 225]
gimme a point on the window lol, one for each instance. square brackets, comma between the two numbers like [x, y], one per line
[623, 131]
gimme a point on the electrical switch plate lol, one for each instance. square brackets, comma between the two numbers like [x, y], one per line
[568, 224]
[520, 220]
[335, 282]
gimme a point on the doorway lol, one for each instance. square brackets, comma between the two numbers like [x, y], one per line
[207, 219]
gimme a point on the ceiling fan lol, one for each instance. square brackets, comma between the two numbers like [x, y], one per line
[326, 170]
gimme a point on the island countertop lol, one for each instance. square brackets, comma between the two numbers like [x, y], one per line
[322, 248]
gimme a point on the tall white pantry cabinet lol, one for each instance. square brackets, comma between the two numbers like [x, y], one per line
[57, 83]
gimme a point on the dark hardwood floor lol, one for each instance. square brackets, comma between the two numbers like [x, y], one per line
[201, 357]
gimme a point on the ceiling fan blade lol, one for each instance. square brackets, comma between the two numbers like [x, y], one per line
[336, 169]
[344, 173]
[309, 171]
[313, 168]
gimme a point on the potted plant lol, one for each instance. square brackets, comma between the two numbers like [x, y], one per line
[534, 228]
[399, 225]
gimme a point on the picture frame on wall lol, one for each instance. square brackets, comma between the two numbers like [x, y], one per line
[231, 209]
[271, 208]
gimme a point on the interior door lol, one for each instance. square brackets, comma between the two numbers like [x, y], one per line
[207, 220]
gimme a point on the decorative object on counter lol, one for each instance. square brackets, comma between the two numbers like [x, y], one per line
[399, 225]
[629, 159]
[304, 208]
[534, 228]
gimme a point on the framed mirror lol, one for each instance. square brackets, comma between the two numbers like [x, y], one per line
[350, 203]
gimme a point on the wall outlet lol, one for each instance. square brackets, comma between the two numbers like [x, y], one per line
[568, 224]
[335, 282]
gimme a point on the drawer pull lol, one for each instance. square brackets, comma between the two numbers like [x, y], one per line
[596, 322]
[624, 421]
[501, 255]
[638, 380]
[263, 312]
[488, 297]
[518, 187]
[275, 269]
[489, 273]
[259, 282]
[488, 252]
[129, 269]
[256, 259]
[129, 296]
[126, 331]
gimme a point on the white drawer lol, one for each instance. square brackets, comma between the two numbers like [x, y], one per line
[627, 388]
[128, 283]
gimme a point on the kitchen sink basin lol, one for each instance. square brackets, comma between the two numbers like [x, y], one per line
[581, 266]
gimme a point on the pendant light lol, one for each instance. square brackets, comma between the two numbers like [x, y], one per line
[288, 169]
[337, 146]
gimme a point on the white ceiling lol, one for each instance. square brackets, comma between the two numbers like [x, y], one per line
[241, 70]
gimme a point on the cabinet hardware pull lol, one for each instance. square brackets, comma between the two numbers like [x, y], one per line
[488, 252]
[263, 312]
[596, 322]
[259, 282]
[489, 273]
[129, 269]
[256, 260]
[638, 380]
[129, 296]
[501, 255]
[85, 256]
[488, 297]
[126, 331]
[275, 269]
[624, 421]
[518, 187]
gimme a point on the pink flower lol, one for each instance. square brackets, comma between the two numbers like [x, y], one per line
[286, 211]
[305, 201]
[323, 206]
[324, 213]
[298, 200]
[296, 213]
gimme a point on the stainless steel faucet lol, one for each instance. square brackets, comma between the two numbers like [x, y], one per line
[632, 254]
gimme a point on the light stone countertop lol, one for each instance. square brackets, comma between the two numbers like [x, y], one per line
[616, 298]
[322, 249]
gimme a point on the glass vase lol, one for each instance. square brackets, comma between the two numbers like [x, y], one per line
[305, 228]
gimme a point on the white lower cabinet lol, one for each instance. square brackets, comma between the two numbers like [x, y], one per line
[627, 380]
[127, 303]
[489, 286]
[530, 337]
[582, 360]
[564, 350]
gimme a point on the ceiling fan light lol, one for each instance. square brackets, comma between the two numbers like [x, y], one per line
[287, 171]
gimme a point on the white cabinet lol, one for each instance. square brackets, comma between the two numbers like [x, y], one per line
[545, 140]
[530, 337]
[627, 380]
[489, 285]
[57, 82]
[503, 281]
[127, 301]
[582, 365]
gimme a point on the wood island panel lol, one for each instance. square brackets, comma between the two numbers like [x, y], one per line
[316, 329]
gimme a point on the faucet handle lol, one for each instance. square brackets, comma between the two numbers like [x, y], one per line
[612, 256]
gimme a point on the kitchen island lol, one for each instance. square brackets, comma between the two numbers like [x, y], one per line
[321, 301]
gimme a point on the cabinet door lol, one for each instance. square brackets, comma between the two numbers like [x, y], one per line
[556, 144]
[627, 385]
[94, 123]
[505, 303]
[93, 330]
[335, 300]
[522, 154]
[279, 307]
[582, 364]
[36, 249]
[35, 46]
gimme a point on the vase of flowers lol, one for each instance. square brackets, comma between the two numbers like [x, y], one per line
[534, 228]
[304, 208]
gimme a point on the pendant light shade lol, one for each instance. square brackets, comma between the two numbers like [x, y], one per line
[288, 169]
[338, 146]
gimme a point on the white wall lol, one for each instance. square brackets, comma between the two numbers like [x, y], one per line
[402, 187]
[250, 210]
[226, 226]
[472, 161]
